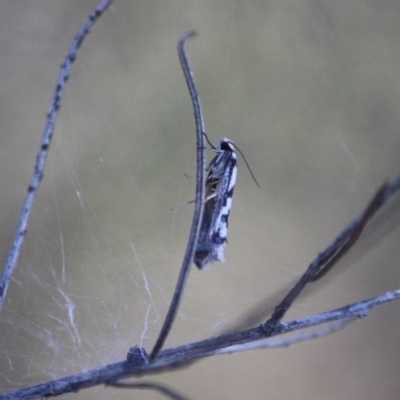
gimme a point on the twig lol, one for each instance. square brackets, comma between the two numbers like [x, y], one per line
[302, 337]
[44, 146]
[213, 346]
[328, 258]
[199, 202]
[183, 356]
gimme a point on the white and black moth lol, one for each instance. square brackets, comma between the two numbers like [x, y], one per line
[220, 184]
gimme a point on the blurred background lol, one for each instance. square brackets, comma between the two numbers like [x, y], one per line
[310, 92]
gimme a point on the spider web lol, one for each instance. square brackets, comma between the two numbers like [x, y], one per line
[309, 92]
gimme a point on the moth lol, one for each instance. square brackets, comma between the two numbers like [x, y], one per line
[220, 184]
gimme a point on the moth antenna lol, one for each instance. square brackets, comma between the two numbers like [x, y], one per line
[208, 141]
[247, 164]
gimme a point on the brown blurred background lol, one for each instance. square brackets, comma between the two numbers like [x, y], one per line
[310, 92]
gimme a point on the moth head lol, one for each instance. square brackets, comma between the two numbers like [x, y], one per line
[226, 144]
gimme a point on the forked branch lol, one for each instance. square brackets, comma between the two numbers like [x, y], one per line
[138, 363]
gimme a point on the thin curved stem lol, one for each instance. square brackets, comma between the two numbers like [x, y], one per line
[199, 202]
